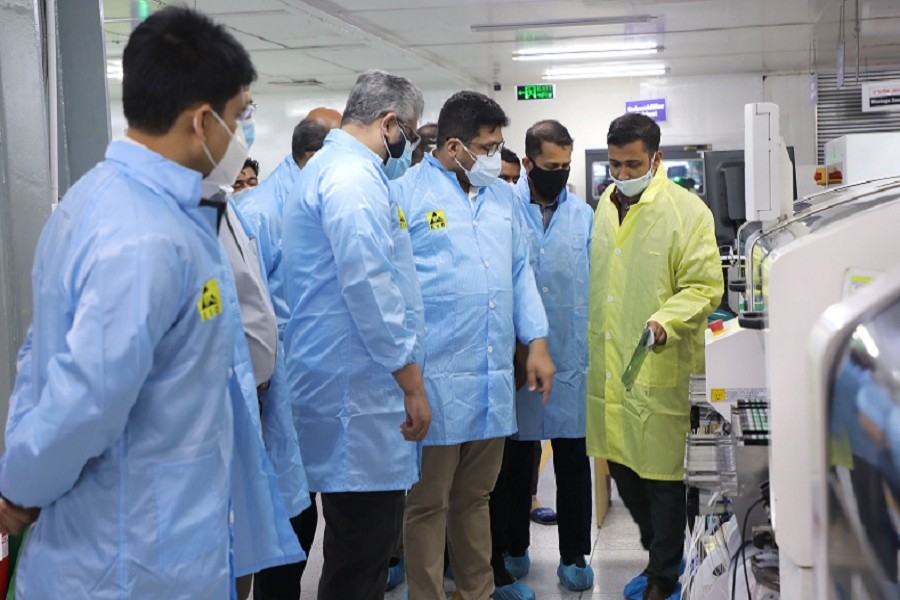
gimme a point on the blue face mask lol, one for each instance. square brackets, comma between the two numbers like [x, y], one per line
[397, 162]
[249, 131]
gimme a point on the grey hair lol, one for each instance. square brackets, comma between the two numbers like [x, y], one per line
[377, 93]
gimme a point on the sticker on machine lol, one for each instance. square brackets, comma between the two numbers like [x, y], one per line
[210, 303]
[854, 279]
[732, 395]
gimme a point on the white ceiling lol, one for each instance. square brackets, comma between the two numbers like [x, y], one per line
[432, 41]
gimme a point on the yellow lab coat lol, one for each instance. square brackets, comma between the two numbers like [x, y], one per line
[662, 264]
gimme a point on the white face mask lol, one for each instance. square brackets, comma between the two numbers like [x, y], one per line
[229, 166]
[485, 171]
[632, 187]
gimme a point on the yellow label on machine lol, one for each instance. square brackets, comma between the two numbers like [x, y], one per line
[717, 395]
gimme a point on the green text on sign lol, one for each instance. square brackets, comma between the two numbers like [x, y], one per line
[543, 91]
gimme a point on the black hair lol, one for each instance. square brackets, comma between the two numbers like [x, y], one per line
[176, 59]
[465, 113]
[549, 131]
[309, 136]
[633, 127]
[253, 164]
[507, 155]
[428, 133]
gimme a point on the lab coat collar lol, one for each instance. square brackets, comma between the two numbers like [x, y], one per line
[157, 172]
[341, 138]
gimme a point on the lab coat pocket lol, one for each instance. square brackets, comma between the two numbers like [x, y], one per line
[191, 513]
[660, 369]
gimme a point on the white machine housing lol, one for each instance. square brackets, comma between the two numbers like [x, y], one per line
[863, 156]
[768, 181]
[804, 278]
[825, 344]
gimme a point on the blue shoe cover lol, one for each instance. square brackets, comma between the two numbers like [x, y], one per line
[575, 578]
[396, 575]
[518, 566]
[513, 591]
[635, 588]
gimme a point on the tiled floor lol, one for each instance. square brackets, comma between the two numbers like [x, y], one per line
[617, 555]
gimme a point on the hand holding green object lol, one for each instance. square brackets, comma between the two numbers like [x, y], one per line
[645, 343]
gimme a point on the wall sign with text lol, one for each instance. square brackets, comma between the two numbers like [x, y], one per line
[880, 96]
[655, 108]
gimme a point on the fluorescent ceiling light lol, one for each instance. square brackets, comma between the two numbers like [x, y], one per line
[607, 70]
[587, 52]
[625, 20]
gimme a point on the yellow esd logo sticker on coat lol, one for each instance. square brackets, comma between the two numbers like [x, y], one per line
[210, 303]
[436, 219]
[402, 218]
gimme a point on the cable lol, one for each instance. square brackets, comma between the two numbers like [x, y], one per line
[744, 545]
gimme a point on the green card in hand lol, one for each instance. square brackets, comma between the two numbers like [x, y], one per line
[637, 358]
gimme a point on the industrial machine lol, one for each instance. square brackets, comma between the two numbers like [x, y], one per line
[802, 257]
[855, 388]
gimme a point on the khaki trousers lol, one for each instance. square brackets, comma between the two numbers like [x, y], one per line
[450, 502]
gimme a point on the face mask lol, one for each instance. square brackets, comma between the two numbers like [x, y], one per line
[397, 165]
[249, 127]
[632, 187]
[229, 166]
[549, 184]
[485, 171]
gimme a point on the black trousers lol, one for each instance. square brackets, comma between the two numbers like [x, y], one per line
[511, 499]
[658, 508]
[360, 533]
[283, 583]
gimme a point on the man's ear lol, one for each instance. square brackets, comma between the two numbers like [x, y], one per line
[527, 164]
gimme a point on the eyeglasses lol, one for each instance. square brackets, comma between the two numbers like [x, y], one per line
[412, 137]
[248, 111]
[489, 149]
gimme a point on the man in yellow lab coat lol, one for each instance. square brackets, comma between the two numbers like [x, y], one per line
[654, 263]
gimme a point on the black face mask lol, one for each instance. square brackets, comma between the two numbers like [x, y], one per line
[395, 149]
[548, 183]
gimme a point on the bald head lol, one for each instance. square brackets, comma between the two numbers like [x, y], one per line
[327, 117]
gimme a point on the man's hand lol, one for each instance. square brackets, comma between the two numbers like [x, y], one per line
[659, 334]
[540, 368]
[418, 412]
[14, 519]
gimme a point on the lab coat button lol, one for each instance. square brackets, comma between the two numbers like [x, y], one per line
[608, 375]
[609, 298]
[546, 289]
[490, 349]
[609, 336]
[618, 251]
[542, 250]
[492, 305]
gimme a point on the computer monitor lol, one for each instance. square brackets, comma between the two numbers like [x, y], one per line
[725, 192]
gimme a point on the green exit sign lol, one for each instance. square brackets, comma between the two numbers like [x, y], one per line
[544, 91]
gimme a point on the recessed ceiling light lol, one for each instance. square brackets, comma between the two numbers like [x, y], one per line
[624, 20]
